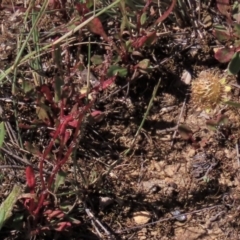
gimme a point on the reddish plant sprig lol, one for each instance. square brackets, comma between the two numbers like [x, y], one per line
[60, 131]
[30, 177]
[31, 183]
[72, 145]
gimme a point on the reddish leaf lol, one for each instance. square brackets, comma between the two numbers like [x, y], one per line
[224, 55]
[148, 2]
[73, 123]
[67, 135]
[40, 203]
[56, 213]
[149, 39]
[30, 177]
[108, 82]
[29, 204]
[167, 13]
[81, 8]
[65, 120]
[96, 27]
[62, 226]
[224, 8]
[46, 91]
[57, 4]
[97, 116]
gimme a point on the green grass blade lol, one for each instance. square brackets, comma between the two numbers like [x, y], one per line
[2, 133]
[7, 206]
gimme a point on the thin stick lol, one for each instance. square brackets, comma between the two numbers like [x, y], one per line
[167, 219]
[237, 150]
[95, 220]
[21, 168]
[16, 157]
[179, 119]
[144, 118]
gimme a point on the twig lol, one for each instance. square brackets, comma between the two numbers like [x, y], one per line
[11, 133]
[179, 119]
[21, 168]
[9, 100]
[96, 221]
[195, 20]
[166, 130]
[16, 157]
[235, 85]
[166, 219]
[12, 166]
[144, 118]
[160, 14]
[237, 150]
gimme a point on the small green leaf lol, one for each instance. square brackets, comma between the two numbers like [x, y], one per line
[144, 64]
[222, 120]
[237, 29]
[151, 38]
[236, 11]
[143, 18]
[234, 65]
[7, 206]
[43, 112]
[57, 56]
[123, 24]
[117, 70]
[212, 125]
[2, 133]
[128, 46]
[2, 217]
[236, 45]
[221, 33]
[27, 86]
[58, 85]
[60, 178]
[96, 59]
[233, 104]
[89, 3]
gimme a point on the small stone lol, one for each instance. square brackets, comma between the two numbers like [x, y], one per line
[141, 217]
[179, 216]
[105, 202]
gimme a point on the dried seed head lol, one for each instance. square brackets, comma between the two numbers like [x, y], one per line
[208, 91]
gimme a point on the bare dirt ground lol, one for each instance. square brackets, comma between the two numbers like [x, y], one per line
[166, 186]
